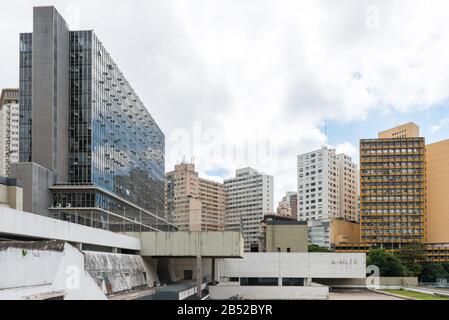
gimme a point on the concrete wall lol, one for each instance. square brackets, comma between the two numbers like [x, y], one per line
[296, 265]
[179, 265]
[42, 269]
[37, 180]
[437, 175]
[19, 223]
[224, 292]
[186, 244]
[283, 236]
[11, 196]
[119, 272]
[50, 100]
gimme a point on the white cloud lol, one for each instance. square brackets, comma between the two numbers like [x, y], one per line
[258, 71]
[441, 125]
[349, 149]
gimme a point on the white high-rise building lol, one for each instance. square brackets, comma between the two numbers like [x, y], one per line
[249, 197]
[9, 130]
[327, 190]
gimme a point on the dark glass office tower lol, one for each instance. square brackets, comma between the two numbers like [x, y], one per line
[114, 173]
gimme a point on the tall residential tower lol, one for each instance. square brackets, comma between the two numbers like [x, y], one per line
[9, 130]
[327, 191]
[249, 197]
[194, 203]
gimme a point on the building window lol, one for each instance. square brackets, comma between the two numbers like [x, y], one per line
[259, 282]
[292, 282]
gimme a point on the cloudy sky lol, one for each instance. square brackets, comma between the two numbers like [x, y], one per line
[237, 83]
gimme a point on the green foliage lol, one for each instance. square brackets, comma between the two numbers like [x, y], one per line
[315, 248]
[431, 272]
[389, 264]
[409, 261]
[412, 257]
[415, 295]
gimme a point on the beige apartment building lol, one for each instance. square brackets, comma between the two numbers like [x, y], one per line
[9, 130]
[193, 203]
[349, 188]
[288, 206]
[437, 174]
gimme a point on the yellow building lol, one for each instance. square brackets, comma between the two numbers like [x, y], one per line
[437, 171]
[408, 130]
[392, 188]
[404, 193]
[344, 232]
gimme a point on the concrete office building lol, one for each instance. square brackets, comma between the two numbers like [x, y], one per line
[195, 204]
[9, 130]
[90, 152]
[327, 191]
[286, 276]
[392, 170]
[249, 197]
[286, 236]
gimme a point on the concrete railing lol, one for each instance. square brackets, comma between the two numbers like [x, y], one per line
[226, 291]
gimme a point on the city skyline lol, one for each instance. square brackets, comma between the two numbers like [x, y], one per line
[262, 72]
[151, 166]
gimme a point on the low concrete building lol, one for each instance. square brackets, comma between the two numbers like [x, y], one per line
[284, 275]
[286, 236]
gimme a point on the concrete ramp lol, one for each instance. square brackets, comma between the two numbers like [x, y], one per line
[44, 270]
[115, 273]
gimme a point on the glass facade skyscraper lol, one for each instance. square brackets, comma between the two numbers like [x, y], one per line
[116, 164]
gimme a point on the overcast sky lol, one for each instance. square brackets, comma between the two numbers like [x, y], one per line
[253, 82]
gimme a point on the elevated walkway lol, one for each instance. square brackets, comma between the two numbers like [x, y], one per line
[20, 224]
[190, 244]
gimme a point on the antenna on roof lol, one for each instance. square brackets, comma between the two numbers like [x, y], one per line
[325, 128]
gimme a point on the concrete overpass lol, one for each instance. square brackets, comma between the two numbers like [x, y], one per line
[208, 244]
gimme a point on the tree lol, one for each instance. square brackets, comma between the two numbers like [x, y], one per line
[388, 263]
[316, 248]
[413, 256]
[431, 272]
